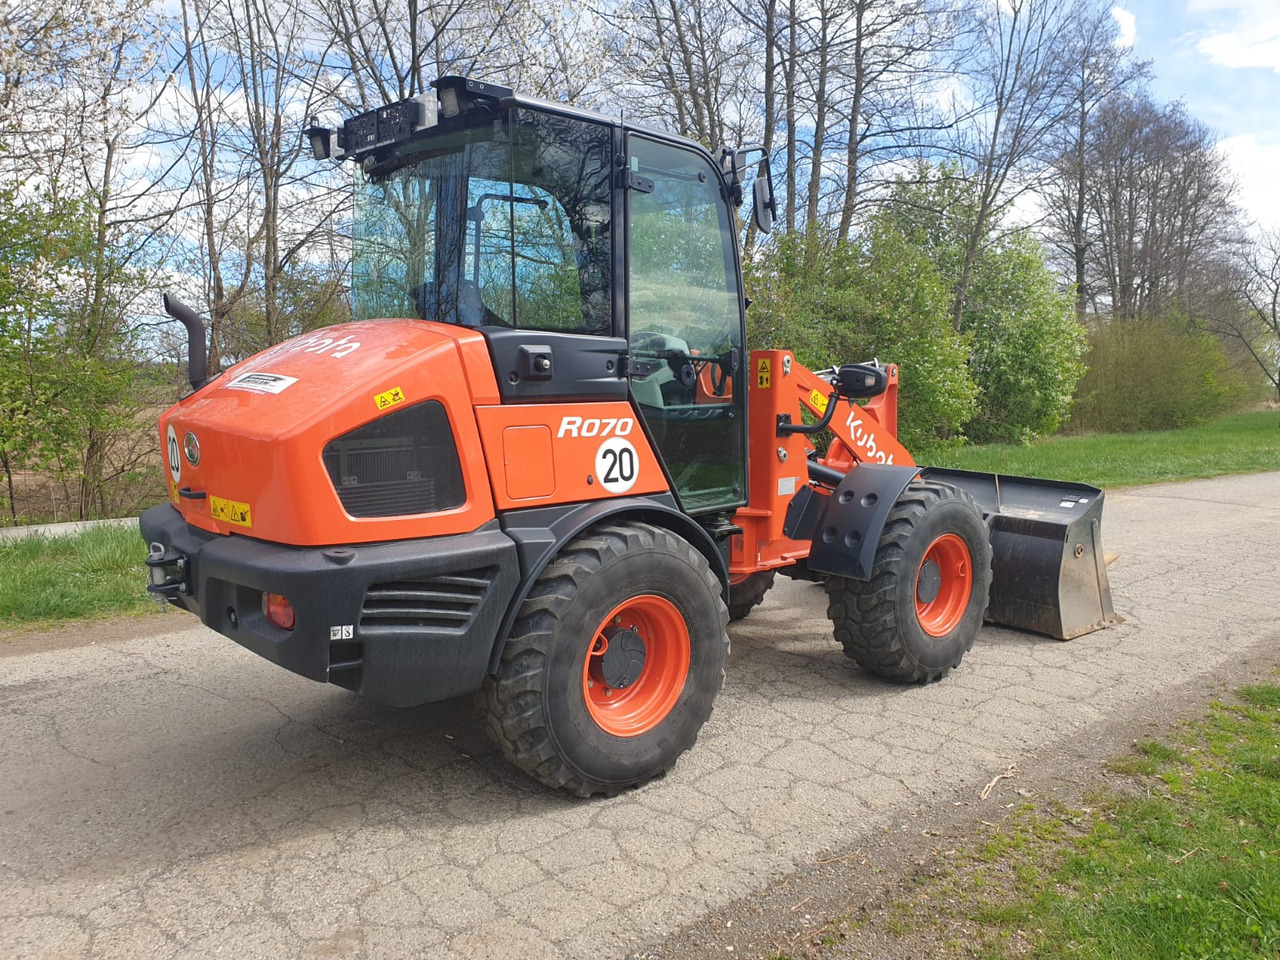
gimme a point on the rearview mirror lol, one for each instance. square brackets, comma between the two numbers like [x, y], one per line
[763, 204]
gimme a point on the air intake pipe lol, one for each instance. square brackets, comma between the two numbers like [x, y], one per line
[197, 351]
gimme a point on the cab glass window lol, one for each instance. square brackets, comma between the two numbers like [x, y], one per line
[685, 322]
[505, 224]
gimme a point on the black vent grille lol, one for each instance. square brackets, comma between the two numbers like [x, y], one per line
[446, 603]
[403, 463]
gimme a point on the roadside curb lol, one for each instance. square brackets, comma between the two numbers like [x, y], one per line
[59, 529]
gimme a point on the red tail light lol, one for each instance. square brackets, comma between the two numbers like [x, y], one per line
[278, 610]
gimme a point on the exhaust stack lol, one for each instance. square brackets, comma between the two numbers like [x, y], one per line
[197, 351]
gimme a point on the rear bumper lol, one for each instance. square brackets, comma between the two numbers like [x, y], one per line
[403, 623]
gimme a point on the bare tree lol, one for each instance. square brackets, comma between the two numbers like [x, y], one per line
[1252, 319]
[1021, 57]
[1160, 209]
[887, 79]
[1102, 69]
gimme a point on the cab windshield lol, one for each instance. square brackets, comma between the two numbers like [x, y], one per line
[507, 224]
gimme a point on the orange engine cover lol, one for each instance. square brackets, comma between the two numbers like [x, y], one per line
[245, 453]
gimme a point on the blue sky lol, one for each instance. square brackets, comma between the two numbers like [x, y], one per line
[1222, 59]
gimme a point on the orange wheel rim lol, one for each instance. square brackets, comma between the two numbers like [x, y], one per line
[646, 699]
[944, 582]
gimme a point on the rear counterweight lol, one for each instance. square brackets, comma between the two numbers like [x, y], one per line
[403, 623]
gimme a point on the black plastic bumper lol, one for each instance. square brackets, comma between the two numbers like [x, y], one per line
[403, 623]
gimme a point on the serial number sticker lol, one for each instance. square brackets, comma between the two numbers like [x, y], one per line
[762, 375]
[262, 382]
[389, 398]
[230, 511]
[342, 632]
[819, 400]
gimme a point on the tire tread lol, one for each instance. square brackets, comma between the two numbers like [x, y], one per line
[512, 700]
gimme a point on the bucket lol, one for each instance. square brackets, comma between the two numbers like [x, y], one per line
[1049, 572]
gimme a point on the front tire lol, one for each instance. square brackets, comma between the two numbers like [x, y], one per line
[613, 663]
[920, 612]
[746, 594]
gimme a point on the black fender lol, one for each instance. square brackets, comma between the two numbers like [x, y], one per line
[847, 529]
[540, 533]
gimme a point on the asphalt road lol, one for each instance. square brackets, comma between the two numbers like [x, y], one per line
[172, 795]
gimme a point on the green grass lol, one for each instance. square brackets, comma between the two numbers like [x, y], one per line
[1245, 443]
[1186, 864]
[96, 573]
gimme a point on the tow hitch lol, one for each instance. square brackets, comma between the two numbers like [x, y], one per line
[167, 571]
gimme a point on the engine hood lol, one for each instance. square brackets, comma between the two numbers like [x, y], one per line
[244, 452]
[287, 388]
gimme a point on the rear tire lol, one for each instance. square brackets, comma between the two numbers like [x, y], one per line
[577, 717]
[748, 593]
[921, 610]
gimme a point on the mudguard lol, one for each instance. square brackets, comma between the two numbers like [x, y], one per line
[845, 529]
[540, 533]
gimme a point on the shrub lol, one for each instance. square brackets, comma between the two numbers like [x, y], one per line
[1027, 345]
[1157, 374]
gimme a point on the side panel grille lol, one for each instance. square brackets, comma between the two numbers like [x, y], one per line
[401, 464]
[443, 604]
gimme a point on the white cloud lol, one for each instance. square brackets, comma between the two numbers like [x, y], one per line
[1255, 165]
[1245, 33]
[1128, 24]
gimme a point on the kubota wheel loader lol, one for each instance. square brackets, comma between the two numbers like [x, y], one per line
[541, 465]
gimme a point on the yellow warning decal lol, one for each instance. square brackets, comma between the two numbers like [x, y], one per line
[230, 511]
[389, 398]
[762, 375]
[173, 491]
[818, 400]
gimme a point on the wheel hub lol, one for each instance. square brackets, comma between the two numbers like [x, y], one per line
[623, 659]
[929, 582]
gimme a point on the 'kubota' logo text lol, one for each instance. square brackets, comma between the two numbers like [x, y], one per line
[321, 346]
[595, 427]
[865, 442]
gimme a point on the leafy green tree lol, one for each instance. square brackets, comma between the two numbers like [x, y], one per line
[1026, 347]
[29, 372]
[69, 397]
[881, 298]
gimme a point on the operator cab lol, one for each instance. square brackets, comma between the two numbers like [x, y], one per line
[599, 260]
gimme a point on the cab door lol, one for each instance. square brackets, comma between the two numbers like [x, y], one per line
[684, 321]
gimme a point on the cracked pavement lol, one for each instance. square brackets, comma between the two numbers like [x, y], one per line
[174, 795]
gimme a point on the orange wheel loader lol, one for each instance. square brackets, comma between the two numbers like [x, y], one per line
[541, 466]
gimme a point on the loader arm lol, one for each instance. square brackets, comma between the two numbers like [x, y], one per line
[863, 433]
[783, 460]
[822, 514]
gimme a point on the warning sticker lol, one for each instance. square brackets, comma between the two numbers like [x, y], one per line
[230, 511]
[262, 382]
[762, 375]
[389, 398]
[819, 400]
